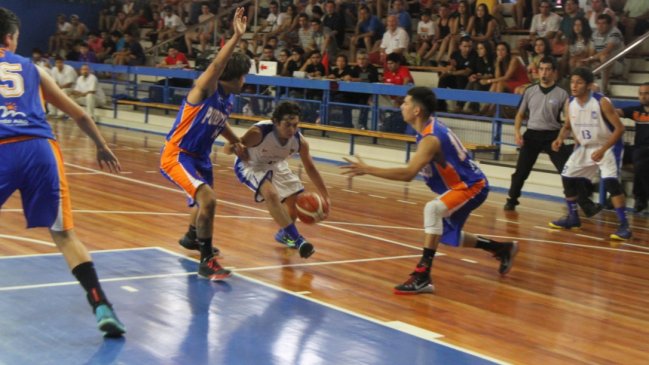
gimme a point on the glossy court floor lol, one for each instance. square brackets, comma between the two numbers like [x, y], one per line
[572, 297]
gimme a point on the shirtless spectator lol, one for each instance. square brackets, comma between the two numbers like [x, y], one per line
[202, 34]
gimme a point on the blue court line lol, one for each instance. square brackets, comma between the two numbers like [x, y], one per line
[173, 317]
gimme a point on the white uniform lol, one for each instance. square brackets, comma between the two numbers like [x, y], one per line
[591, 129]
[268, 162]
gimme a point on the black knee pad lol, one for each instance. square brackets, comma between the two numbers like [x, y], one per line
[613, 187]
[569, 186]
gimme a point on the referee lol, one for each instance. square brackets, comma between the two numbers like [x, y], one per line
[544, 102]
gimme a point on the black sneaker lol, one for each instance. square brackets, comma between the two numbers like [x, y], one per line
[506, 257]
[212, 270]
[590, 209]
[305, 248]
[192, 244]
[418, 283]
[510, 205]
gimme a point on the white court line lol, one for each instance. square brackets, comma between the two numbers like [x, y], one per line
[305, 292]
[591, 237]
[350, 191]
[58, 253]
[129, 289]
[30, 240]
[636, 246]
[66, 283]
[412, 330]
[152, 172]
[377, 196]
[406, 202]
[469, 261]
[507, 221]
[343, 310]
[477, 215]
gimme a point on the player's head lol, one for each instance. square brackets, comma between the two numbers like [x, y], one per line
[286, 118]
[9, 29]
[235, 71]
[581, 81]
[643, 94]
[419, 104]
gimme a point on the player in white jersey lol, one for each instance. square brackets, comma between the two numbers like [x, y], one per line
[598, 131]
[266, 170]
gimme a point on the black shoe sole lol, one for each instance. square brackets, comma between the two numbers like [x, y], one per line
[512, 255]
[306, 250]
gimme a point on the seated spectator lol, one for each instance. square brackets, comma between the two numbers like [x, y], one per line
[369, 30]
[635, 19]
[282, 62]
[39, 60]
[77, 32]
[483, 26]
[396, 74]
[112, 43]
[269, 23]
[304, 31]
[580, 46]
[243, 48]
[403, 17]
[570, 12]
[96, 43]
[123, 24]
[608, 42]
[457, 74]
[395, 40]
[425, 41]
[86, 54]
[132, 54]
[173, 24]
[511, 72]
[313, 65]
[323, 41]
[335, 21]
[541, 49]
[443, 35]
[87, 91]
[598, 7]
[483, 70]
[544, 24]
[202, 34]
[65, 77]
[57, 40]
[174, 59]
[460, 26]
[108, 14]
[364, 71]
[343, 72]
[268, 54]
[283, 25]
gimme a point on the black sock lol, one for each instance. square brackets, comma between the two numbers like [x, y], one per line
[427, 258]
[488, 245]
[87, 276]
[205, 248]
[191, 232]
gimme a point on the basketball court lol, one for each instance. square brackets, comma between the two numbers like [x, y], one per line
[572, 297]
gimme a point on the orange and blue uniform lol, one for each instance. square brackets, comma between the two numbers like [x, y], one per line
[31, 159]
[453, 175]
[185, 158]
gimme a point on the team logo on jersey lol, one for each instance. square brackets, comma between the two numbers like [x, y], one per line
[9, 114]
[593, 114]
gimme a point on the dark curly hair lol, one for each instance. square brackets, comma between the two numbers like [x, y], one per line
[285, 108]
[9, 23]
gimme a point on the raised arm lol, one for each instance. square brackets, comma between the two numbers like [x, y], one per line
[207, 83]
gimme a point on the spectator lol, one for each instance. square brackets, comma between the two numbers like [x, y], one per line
[335, 21]
[396, 74]
[635, 18]
[77, 31]
[86, 54]
[282, 62]
[403, 17]
[202, 34]
[544, 24]
[108, 14]
[457, 74]
[395, 39]
[132, 54]
[598, 7]
[270, 22]
[87, 91]
[268, 54]
[308, 9]
[65, 76]
[304, 31]
[511, 72]
[364, 71]
[580, 46]
[425, 41]
[96, 43]
[39, 60]
[483, 26]
[343, 72]
[570, 12]
[57, 40]
[542, 49]
[313, 65]
[640, 115]
[443, 33]
[123, 24]
[460, 26]
[243, 48]
[323, 40]
[173, 24]
[369, 30]
[483, 70]
[174, 59]
[112, 43]
[608, 42]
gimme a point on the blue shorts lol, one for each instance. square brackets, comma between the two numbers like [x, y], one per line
[34, 166]
[187, 171]
[453, 224]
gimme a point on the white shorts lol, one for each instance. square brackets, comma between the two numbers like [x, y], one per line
[283, 179]
[580, 164]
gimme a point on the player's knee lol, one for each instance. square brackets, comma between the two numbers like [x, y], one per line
[613, 186]
[434, 212]
[569, 186]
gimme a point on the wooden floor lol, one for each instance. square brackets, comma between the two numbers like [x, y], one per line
[572, 297]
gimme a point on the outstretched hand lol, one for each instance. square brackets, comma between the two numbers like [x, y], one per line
[106, 157]
[354, 168]
[240, 22]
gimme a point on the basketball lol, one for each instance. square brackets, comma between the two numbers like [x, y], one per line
[311, 208]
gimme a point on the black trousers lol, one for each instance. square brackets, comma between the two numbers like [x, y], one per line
[535, 142]
[641, 173]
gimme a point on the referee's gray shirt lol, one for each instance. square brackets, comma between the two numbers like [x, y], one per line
[544, 105]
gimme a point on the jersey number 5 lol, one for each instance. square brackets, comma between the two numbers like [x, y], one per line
[10, 73]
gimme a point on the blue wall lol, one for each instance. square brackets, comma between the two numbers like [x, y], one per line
[38, 19]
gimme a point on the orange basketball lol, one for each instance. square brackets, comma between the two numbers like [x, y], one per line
[311, 208]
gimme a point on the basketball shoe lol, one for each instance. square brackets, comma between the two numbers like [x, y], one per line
[622, 233]
[283, 238]
[192, 244]
[305, 248]
[212, 270]
[568, 222]
[506, 256]
[419, 282]
[108, 322]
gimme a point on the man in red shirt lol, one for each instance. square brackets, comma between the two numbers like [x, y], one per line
[395, 73]
[174, 59]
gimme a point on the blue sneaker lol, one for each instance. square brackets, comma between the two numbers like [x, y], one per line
[622, 233]
[283, 238]
[108, 322]
[567, 222]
